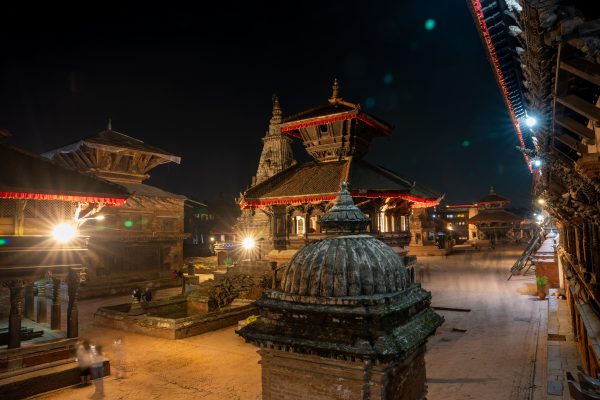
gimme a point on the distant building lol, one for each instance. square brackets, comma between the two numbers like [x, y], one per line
[490, 220]
[142, 239]
[197, 224]
[456, 219]
[287, 198]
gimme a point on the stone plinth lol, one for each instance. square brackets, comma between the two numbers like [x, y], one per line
[288, 375]
[546, 263]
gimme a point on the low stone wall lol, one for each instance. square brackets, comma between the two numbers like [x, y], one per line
[171, 328]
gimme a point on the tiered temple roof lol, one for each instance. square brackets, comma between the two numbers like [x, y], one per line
[316, 181]
[26, 175]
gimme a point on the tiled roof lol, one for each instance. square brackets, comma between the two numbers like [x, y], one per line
[141, 189]
[493, 198]
[317, 179]
[112, 141]
[494, 216]
[337, 107]
[27, 173]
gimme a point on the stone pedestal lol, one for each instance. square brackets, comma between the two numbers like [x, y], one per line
[16, 313]
[292, 376]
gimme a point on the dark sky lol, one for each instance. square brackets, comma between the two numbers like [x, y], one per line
[198, 83]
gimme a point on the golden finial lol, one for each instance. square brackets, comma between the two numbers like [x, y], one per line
[276, 106]
[492, 190]
[109, 125]
[335, 94]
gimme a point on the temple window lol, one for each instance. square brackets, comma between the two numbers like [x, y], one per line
[300, 226]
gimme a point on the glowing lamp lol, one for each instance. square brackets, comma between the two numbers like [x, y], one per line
[537, 163]
[212, 239]
[248, 243]
[64, 232]
[541, 201]
[540, 218]
[100, 217]
[530, 121]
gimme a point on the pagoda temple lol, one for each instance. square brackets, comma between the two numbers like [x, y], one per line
[42, 204]
[142, 239]
[287, 199]
[490, 219]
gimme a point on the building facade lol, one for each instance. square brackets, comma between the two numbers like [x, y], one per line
[546, 60]
[281, 210]
[42, 205]
[142, 239]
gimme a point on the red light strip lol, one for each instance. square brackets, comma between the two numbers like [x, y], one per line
[417, 201]
[362, 117]
[499, 76]
[42, 196]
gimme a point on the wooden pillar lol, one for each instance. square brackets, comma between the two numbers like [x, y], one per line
[55, 310]
[29, 302]
[16, 313]
[41, 302]
[72, 310]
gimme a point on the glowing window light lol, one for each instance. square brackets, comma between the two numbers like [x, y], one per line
[64, 232]
[248, 243]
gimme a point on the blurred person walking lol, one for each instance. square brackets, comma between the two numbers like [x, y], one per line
[98, 372]
[84, 361]
[119, 358]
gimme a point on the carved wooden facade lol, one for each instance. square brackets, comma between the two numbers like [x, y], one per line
[552, 49]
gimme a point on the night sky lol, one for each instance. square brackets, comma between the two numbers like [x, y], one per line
[198, 83]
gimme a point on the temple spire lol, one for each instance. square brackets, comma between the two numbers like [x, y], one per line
[109, 125]
[335, 92]
[344, 217]
[492, 190]
[276, 106]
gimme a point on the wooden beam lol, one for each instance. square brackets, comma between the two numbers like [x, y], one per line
[82, 163]
[571, 143]
[580, 106]
[583, 69]
[577, 128]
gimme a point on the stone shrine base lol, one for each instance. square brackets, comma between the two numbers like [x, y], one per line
[287, 375]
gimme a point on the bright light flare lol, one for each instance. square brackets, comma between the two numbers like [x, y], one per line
[537, 162]
[64, 232]
[530, 121]
[100, 218]
[541, 201]
[248, 243]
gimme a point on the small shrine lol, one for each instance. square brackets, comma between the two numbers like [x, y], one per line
[346, 321]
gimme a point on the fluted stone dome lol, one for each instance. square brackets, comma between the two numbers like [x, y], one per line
[346, 265]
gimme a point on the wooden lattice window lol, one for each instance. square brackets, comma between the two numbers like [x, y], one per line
[8, 208]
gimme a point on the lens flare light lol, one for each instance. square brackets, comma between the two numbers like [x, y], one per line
[248, 243]
[64, 232]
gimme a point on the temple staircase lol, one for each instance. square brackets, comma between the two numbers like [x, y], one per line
[523, 264]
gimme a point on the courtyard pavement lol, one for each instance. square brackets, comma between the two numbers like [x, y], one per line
[486, 353]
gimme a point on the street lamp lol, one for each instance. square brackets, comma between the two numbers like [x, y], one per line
[530, 121]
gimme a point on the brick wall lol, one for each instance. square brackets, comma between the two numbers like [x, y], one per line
[290, 376]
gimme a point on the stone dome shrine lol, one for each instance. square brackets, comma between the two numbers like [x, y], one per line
[346, 321]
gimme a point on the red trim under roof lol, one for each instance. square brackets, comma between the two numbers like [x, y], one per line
[417, 201]
[461, 205]
[291, 128]
[42, 196]
[485, 33]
